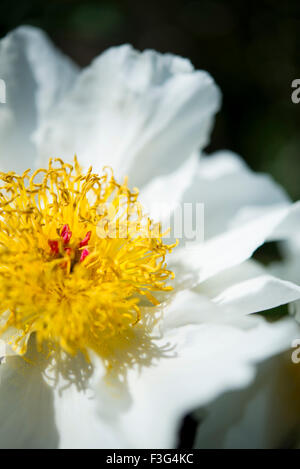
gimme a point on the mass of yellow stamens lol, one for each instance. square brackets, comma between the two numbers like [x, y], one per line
[77, 257]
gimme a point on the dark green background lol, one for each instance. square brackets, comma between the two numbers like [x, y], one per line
[252, 50]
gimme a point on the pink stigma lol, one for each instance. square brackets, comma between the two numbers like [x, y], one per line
[86, 239]
[66, 234]
[84, 254]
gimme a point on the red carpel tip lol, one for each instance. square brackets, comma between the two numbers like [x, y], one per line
[86, 239]
[84, 254]
[66, 234]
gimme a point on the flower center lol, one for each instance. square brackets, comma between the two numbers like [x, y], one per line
[62, 246]
[78, 259]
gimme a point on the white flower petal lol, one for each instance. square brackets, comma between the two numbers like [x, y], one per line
[248, 288]
[289, 226]
[231, 248]
[259, 294]
[215, 285]
[232, 195]
[79, 424]
[223, 183]
[163, 194]
[227, 187]
[190, 307]
[77, 419]
[42, 406]
[26, 407]
[211, 360]
[289, 267]
[261, 416]
[141, 113]
[36, 75]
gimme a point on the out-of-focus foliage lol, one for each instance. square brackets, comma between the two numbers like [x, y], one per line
[251, 49]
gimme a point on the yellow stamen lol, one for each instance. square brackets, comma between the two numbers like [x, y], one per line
[77, 254]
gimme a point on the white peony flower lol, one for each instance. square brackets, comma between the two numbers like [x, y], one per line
[146, 115]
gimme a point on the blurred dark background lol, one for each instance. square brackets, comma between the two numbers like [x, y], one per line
[250, 48]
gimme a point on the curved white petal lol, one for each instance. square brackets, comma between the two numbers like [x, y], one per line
[262, 416]
[232, 194]
[203, 361]
[227, 187]
[192, 307]
[36, 75]
[248, 288]
[164, 194]
[230, 248]
[209, 360]
[259, 294]
[76, 404]
[79, 424]
[52, 405]
[26, 407]
[229, 192]
[289, 268]
[215, 285]
[289, 226]
[141, 113]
